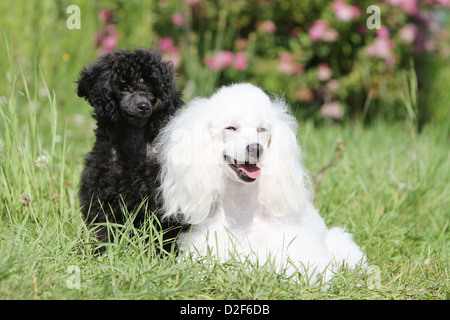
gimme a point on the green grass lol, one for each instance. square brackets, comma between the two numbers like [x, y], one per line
[389, 187]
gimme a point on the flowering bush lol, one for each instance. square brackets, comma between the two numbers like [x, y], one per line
[321, 54]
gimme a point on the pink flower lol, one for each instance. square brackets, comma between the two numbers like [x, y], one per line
[107, 40]
[173, 55]
[332, 110]
[345, 12]
[178, 20]
[169, 52]
[287, 65]
[220, 60]
[381, 48]
[240, 61]
[333, 85]
[324, 72]
[444, 3]
[165, 44]
[317, 31]
[320, 30]
[407, 6]
[109, 43]
[429, 45]
[383, 32]
[105, 15]
[267, 26]
[408, 33]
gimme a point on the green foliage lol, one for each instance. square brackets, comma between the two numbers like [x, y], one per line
[338, 64]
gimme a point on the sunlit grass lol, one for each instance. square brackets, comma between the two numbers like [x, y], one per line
[390, 188]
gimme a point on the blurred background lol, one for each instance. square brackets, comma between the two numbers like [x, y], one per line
[322, 55]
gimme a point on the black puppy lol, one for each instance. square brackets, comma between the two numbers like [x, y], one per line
[133, 95]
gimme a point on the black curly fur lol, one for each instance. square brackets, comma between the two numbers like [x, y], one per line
[133, 95]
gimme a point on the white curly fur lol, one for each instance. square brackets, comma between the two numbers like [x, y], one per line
[270, 217]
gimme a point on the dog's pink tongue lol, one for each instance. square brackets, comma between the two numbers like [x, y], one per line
[251, 170]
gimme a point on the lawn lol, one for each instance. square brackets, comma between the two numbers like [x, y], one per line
[389, 187]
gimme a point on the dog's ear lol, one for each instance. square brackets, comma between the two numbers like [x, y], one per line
[191, 175]
[95, 85]
[91, 75]
[283, 185]
[171, 97]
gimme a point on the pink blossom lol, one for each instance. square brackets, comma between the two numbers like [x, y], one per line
[165, 44]
[407, 6]
[332, 110]
[267, 26]
[429, 45]
[240, 61]
[220, 60]
[287, 65]
[109, 43]
[330, 35]
[381, 48]
[169, 51]
[333, 85]
[107, 40]
[317, 31]
[345, 12]
[324, 72]
[444, 3]
[105, 15]
[320, 30]
[383, 32]
[410, 6]
[178, 20]
[173, 55]
[408, 33]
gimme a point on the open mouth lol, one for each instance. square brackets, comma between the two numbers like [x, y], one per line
[246, 171]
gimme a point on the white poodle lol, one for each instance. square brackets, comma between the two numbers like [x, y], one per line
[231, 167]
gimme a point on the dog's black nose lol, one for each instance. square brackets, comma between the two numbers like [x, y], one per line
[143, 107]
[255, 150]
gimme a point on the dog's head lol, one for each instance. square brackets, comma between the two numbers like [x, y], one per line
[129, 86]
[240, 134]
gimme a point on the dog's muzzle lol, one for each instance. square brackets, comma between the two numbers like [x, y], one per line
[138, 110]
[247, 170]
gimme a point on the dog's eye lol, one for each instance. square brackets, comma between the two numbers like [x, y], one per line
[231, 128]
[150, 94]
[260, 130]
[126, 89]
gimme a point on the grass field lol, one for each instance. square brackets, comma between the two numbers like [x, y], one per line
[389, 187]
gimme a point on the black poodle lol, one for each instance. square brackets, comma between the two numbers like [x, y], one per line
[133, 95]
